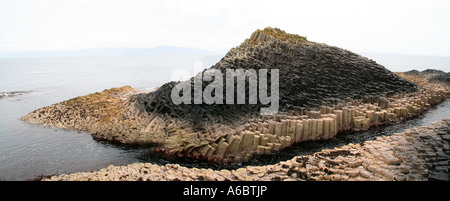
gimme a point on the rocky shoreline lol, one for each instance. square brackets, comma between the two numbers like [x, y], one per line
[418, 154]
[111, 115]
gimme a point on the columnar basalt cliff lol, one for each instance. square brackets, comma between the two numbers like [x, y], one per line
[324, 90]
[418, 154]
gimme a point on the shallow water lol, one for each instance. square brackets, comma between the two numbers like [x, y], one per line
[27, 150]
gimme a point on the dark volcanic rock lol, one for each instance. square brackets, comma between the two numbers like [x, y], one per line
[445, 77]
[310, 75]
[426, 72]
[432, 71]
[432, 74]
[11, 94]
[413, 72]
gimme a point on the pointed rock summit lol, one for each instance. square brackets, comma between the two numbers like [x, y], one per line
[310, 75]
[271, 34]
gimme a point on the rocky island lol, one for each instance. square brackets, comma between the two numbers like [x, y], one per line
[323, 90]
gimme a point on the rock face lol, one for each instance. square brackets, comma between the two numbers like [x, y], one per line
[107, 115]
[445, 77]
[418, 154]
[431, 74]
[426, 72]
[323, 90]
[311, 75]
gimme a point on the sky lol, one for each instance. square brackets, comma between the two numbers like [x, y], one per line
[394, 26]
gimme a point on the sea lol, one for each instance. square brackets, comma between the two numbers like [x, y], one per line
[28, 151]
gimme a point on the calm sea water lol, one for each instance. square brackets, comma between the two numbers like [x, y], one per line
[27, 150]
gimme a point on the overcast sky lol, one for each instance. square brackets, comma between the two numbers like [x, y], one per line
[405, 27]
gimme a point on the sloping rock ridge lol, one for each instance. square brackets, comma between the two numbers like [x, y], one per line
[311, 75]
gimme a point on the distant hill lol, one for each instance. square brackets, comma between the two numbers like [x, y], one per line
[159, 50]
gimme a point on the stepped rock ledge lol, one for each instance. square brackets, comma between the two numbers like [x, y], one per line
[323, 90]
[418, 154]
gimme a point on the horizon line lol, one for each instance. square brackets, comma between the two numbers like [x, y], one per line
[5, 54]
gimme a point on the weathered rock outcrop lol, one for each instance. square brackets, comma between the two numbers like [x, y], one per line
[103, 114]
[431, 74]
[323, 90]
[427, 72]
[445, 77]
[11, 94]
[418, 154]
[311, 75]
